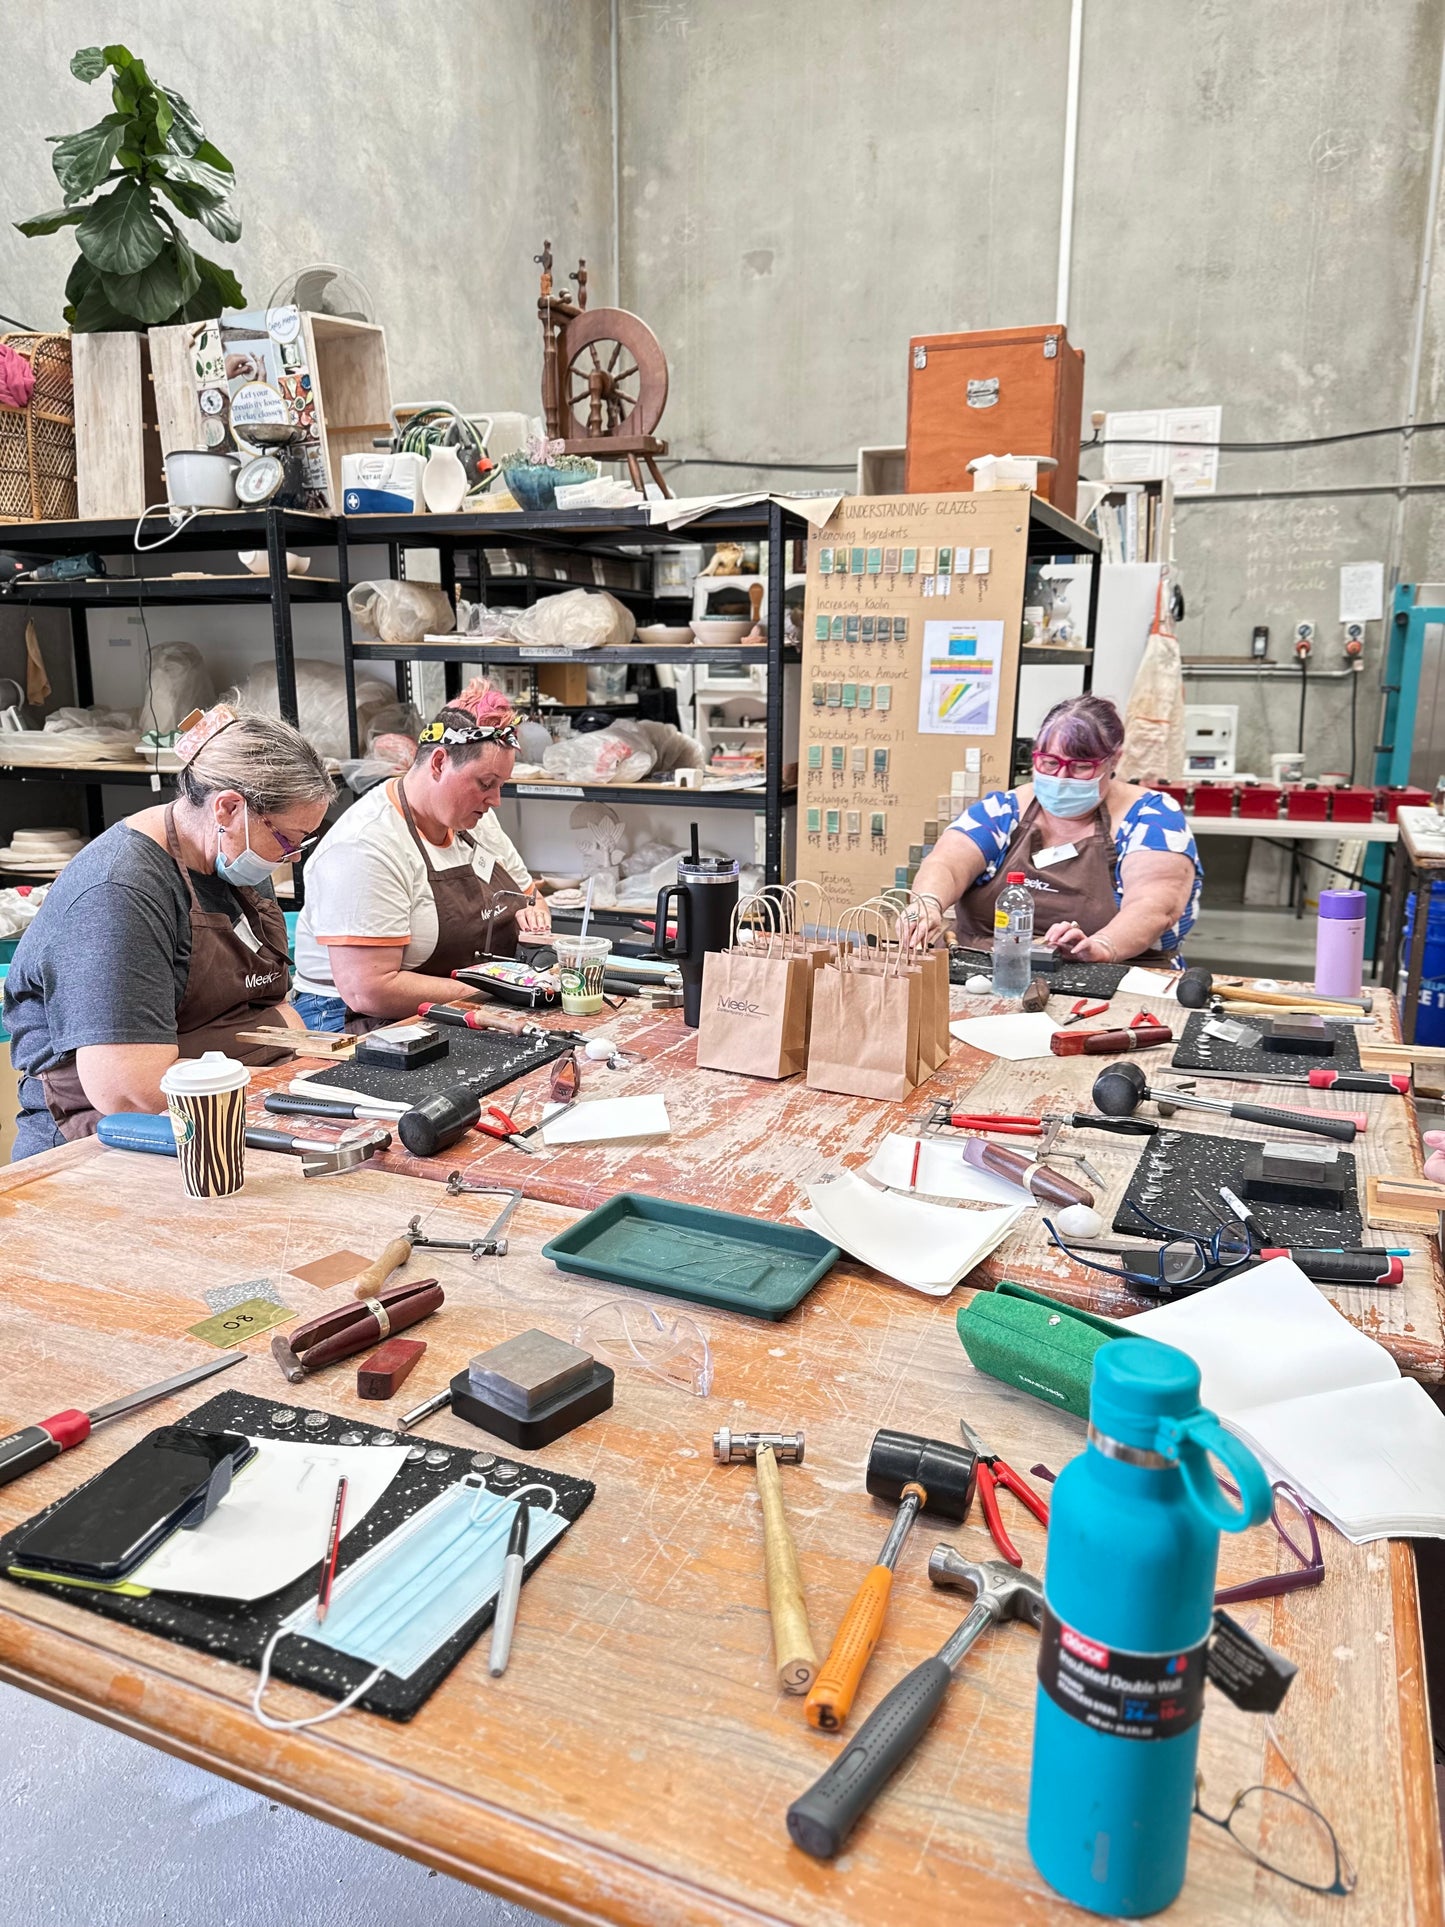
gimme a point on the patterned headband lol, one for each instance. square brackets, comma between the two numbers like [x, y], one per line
[199, 728]
[448, 734]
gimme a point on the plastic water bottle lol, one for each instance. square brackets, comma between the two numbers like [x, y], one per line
[1013, 937]
[1134, 1529]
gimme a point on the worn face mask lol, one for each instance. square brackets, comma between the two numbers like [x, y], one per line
[247, 869]
[1066, 795]
[415, 1590]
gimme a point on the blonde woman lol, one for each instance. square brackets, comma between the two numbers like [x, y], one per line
[163, 938]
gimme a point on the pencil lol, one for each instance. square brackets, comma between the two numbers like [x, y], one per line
[333, 1548]
[913, 1174]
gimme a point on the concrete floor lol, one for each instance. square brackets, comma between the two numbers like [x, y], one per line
[97, 1830]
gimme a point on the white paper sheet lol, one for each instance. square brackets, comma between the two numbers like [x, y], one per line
[942, 1172]
[1267, 1335]
[1362, 591]
[1149, 983]
[600, 1119]
[928, 1247]
[1017, 1034]
[274, 1521]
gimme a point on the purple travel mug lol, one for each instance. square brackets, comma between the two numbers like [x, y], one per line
[1340, 943]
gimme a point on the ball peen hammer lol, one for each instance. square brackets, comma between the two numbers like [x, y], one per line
[821, 1819]
[793, 1652]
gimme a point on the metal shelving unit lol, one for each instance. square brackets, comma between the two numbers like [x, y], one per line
[152, 582]
[603, 533]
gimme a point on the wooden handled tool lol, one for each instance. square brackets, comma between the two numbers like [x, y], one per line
[793, 1652]
[396, 1254]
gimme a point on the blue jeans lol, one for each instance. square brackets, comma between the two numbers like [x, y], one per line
[318, 1012]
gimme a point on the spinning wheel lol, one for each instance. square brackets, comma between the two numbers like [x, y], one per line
[614, 375]
[604, 378]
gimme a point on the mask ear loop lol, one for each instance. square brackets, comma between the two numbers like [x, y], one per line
[274, 1725]
[536, 1486]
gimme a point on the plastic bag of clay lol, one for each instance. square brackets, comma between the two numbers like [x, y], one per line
[320, 702]
[177, 681]
[399, 612]
[672, 748]
[621, 754]
[575, 619]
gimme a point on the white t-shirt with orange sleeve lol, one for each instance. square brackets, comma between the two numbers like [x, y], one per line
[366, 883]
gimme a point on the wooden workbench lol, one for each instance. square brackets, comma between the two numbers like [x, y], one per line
[636, 1761]
[743, 1144]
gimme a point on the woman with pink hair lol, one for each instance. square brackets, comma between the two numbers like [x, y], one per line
[1113, 867]
[417, 878]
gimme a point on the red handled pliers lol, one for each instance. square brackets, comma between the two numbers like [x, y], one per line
[1084, 1009]
[994, 1472]
[496, 1123]
[998, 1121]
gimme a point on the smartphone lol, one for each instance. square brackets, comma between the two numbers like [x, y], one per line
[104, 1530]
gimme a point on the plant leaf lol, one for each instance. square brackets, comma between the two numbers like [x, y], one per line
[187, 267]
[117, 56]
[88, 64]
[154, 294]
[49, 223]
[208, 151]
[222, 221]
[93, 314]
[212, 184]
[120, 233]
[82, 161]
[81, 276]
[221, 279]
[186, 131]
[204, 305]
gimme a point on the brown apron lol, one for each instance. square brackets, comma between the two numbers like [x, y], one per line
[229, 987]
[474, 919]
[1079, 889]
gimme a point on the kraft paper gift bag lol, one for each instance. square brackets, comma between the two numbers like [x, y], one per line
[937, 961]
[864, 1040]
[754, 1017]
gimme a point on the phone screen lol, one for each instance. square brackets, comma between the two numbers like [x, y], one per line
[109, 1525]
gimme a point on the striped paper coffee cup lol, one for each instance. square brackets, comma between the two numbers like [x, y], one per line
[206, 1099]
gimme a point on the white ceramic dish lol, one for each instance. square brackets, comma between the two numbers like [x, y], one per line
[722, 630]
[662, 635]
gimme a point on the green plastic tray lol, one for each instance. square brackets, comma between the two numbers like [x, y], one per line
[711, 1257]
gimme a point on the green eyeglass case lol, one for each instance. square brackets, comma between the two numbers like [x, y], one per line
[1036, 1343]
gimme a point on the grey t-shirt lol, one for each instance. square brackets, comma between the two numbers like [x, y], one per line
[105, 962]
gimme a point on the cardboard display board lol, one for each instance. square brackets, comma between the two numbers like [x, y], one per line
[910, 676]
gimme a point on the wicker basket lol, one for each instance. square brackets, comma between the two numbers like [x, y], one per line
[37, 443]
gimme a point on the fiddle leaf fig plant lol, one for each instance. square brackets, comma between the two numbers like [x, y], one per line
[136, 269]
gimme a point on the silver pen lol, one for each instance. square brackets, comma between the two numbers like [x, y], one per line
[424, 1410]
[508, 1595]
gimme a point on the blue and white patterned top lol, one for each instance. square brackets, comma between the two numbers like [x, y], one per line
[1153, 822]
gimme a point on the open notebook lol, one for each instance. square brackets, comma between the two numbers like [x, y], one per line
[1322, 1405]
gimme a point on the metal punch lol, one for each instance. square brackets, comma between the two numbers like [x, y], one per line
[491, 1244]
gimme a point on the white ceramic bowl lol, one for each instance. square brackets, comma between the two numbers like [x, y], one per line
[723, 630]
[258, 563]
[662, 635]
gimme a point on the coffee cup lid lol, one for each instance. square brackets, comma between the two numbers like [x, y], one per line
[201, 1076]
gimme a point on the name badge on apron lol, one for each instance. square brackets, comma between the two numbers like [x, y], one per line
[242, 928]
[1060, 853]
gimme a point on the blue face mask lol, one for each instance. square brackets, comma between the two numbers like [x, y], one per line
[414, 1590]
[1066, 795]
[247, 869]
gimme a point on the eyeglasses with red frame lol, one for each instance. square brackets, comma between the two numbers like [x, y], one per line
[1080, 766]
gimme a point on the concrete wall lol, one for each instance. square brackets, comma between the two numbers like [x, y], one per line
[426, 144]
[801, 192]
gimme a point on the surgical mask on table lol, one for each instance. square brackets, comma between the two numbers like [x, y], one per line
[402, 1601]
[1066, 795]
[247, 869]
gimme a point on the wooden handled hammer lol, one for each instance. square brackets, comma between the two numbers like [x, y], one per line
[793, 1653]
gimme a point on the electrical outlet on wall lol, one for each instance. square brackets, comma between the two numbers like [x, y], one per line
[1304, 639]
[1353, 641]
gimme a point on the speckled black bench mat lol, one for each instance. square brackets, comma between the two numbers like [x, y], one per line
[480, 1061]
[239, 1631]
[1064, 980]
[1199, 1163]
[1196, 1052]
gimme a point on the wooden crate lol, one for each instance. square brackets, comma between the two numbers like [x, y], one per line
[348, 402]
[37, 442]
[117, 439]
[999, 391]
[564, 682]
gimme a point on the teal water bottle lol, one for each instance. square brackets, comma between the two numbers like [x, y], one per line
[1134, 1528]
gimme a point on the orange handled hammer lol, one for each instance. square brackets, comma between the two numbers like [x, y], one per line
[924, 1475]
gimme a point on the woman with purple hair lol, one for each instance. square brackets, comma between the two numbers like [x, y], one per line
[1113, 868]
